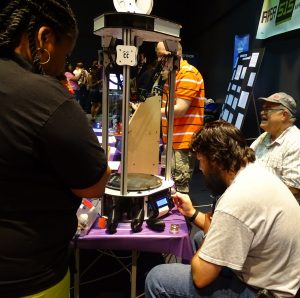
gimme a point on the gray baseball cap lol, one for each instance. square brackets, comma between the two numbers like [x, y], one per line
[283, 99]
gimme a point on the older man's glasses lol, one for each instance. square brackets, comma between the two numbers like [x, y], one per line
[271, 110]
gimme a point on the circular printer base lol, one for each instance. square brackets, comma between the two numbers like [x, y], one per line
[135, 182]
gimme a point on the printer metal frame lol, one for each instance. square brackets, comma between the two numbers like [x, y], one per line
[133, 29]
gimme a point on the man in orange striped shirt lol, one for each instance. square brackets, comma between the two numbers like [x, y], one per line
[188, 117]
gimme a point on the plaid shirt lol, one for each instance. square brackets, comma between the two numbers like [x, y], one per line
[281, 156]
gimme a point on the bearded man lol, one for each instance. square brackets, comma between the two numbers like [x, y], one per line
[253, 232]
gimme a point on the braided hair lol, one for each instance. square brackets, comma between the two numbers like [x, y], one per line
[19, 16]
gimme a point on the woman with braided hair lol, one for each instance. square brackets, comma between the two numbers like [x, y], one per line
[49, 156]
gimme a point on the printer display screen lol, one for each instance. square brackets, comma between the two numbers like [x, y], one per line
[162, 202]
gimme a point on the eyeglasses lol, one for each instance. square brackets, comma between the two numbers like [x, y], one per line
[269, 110]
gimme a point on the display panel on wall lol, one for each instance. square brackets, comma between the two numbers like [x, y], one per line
[278, 16]
[239, 91]
[241, 45]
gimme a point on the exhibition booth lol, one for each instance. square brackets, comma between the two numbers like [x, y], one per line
[136, 212]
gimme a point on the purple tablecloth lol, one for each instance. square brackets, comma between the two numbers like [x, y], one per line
[147, 240]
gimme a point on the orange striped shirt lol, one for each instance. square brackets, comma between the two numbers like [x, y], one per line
[189, 86]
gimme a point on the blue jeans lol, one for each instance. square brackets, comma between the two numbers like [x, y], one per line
[175, 280]
[197, 240]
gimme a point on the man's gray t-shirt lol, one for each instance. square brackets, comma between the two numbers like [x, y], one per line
[255, 231]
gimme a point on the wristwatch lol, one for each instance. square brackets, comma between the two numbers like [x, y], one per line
[192, 218]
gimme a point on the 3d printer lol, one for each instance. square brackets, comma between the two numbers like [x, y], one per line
[137, 192]
[147, 197]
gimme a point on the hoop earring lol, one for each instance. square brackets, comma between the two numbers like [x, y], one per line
[41, 50]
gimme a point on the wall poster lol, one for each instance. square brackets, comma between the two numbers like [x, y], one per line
[239, 91]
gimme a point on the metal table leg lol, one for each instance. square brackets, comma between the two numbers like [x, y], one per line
[133, 274]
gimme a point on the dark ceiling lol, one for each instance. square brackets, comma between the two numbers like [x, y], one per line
[195, 16]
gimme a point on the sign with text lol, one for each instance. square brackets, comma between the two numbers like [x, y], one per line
[278, 16]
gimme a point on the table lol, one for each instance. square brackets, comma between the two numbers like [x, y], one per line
[147, 240]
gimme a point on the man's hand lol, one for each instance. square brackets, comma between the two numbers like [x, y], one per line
[185, 207]
[183, 204]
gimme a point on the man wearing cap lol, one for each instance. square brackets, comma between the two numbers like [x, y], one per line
[278, 148]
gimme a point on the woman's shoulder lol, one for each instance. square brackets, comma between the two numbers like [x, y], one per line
[46, 88]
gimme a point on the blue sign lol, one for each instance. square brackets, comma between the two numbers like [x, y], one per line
[241, 44]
